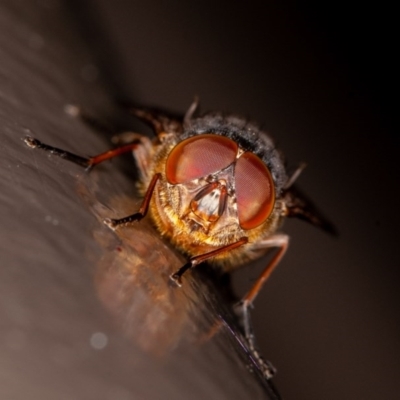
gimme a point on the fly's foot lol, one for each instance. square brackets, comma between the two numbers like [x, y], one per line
[115, 223]
[241, 310]
[111, 223]
[177, 276]
[31, 142]
[263, 365]
[176, 279]
[266, 367]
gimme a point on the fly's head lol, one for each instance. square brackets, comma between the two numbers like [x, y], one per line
[219, 184]
[221, 179]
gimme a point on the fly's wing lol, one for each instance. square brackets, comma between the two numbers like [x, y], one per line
[161, 121]
[298, 205]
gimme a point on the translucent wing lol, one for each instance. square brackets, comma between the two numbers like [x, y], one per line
[299, 206]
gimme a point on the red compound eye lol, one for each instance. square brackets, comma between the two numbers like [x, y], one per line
[199, 156]
[254, 191]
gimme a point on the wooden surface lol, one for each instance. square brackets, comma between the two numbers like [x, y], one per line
[86, 313]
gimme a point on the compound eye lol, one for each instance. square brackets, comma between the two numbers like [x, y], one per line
[255, 192]
[199, 156]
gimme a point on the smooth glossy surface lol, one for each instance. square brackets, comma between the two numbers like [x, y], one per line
[254, 191]
[199, 156]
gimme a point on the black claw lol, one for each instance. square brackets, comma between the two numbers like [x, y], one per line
[177, 279]
[31, 142]
[111, 223]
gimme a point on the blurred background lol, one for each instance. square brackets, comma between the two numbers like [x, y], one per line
[321, 79]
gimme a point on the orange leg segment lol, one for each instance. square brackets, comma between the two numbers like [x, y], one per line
[112, 153]
[253, 292]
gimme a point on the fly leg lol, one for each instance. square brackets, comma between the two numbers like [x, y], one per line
[193, 261]
[89, 162]
[126, 142]
[242, 309]
[115, 223]
[86, 162]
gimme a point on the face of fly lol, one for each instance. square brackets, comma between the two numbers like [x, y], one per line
[221, 180]
[219, 184]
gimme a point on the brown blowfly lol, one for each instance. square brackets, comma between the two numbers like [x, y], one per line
[216, 187]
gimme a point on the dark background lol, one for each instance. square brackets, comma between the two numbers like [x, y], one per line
[320, 78]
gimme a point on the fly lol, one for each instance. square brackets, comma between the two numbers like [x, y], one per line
[216, 187]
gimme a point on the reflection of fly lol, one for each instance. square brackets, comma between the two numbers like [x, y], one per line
[215, 186]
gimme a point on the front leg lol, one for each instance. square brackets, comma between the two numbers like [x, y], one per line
[86, 162]
[193, 261]
[115, 223]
